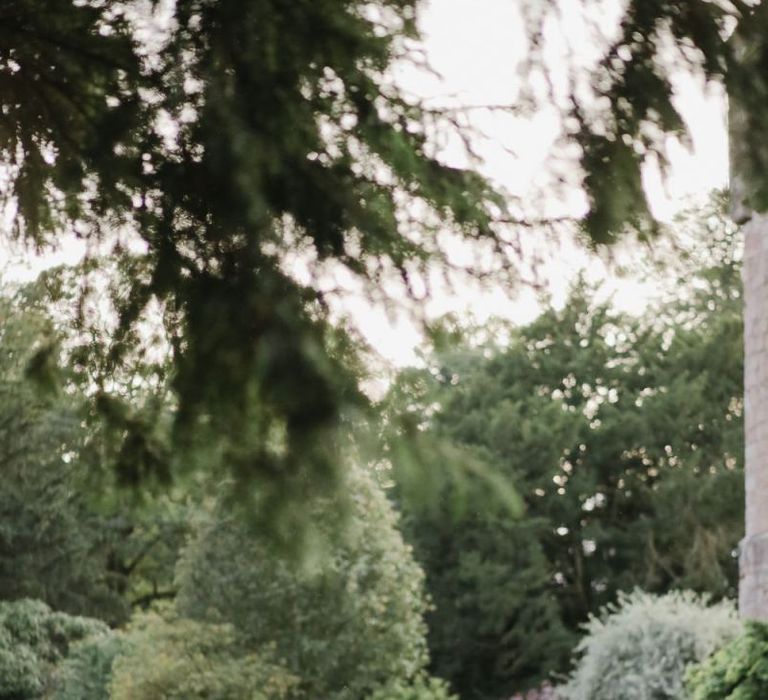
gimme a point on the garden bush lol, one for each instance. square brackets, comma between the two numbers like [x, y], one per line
[738, 671]
[347, 625]
[86, 673]
[639, 648]
[179, 659]
[33, 639]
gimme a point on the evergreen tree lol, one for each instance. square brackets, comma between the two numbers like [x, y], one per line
[622, 435]
[282, 133]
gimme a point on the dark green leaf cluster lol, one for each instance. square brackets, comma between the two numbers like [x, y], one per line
[70, 79]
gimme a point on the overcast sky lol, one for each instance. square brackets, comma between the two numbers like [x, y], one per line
[475, 46]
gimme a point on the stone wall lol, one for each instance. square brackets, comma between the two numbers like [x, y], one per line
[753, 585]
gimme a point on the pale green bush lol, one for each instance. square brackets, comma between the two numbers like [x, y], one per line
[33, 639]
[180, 659]
[639, 648]
[86, 673]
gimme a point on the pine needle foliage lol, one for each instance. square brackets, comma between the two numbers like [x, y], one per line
[620, 110]
[238, 134]
[282, 132]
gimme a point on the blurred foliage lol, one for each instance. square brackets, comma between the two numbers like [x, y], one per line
[621, 108]
[212, 150]
[177, 659]
[68, 535]
[86, 672]
[51, 544]
[239, 135]
[33, 638]
[738, 671]
[347, 617]
[623, 436]
[345, 622]
[421, 688]
[641, 646]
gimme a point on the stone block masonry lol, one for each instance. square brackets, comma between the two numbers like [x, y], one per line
[753, 563]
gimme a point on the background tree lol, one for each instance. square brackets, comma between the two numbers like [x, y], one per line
[50, 542]
[69, 535]
[622, 435]
[346, 624]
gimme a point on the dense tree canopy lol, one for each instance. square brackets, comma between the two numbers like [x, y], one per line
[51, 544]
[624, 438]
[68, 535]
[225, 159]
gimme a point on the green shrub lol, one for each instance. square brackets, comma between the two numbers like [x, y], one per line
[180, 659]
[350, 624]
[639, 648]
[86, 673]
[738, 671]
[421, 688]
[33, 639]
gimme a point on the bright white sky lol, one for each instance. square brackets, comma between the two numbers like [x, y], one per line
[475, 46]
